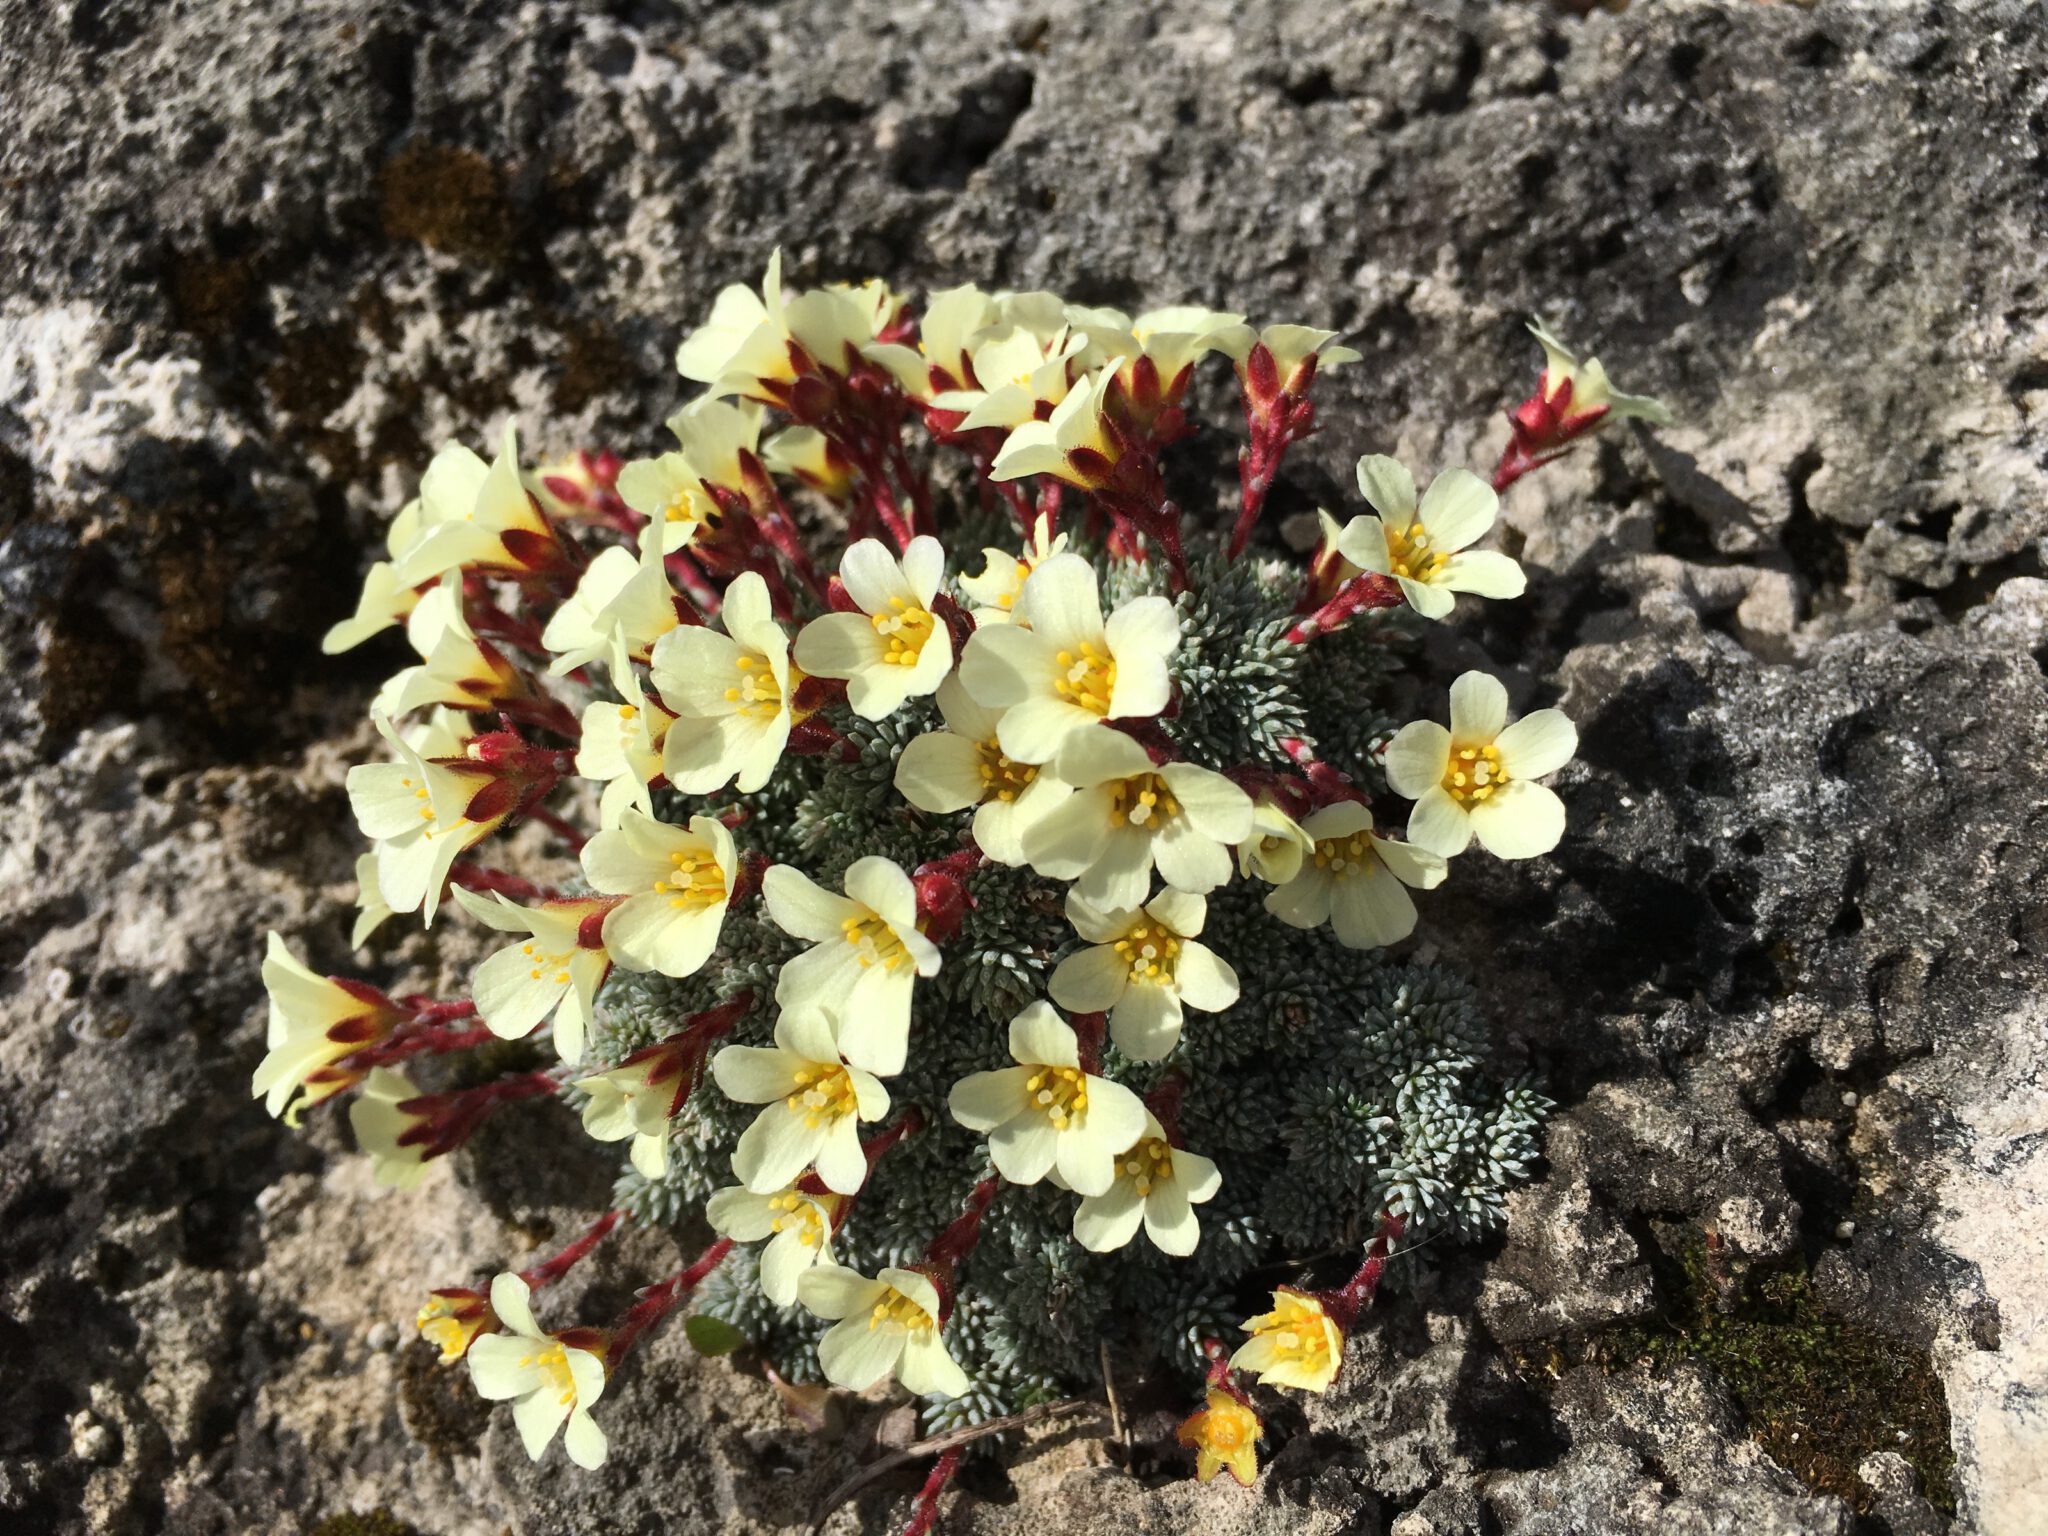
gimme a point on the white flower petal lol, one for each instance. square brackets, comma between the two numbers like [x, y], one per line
[1484, 573]
[1439, 824]
[1519, 821]
[1104, 1223]
[1457, 509]
[1386, 484]
[1540, 742]
[1090, 980]
[1479, 708]
[1145, 1024]
[1205, 982]
[1416, 759]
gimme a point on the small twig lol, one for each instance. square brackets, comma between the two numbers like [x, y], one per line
[1118, 1430]
[937, 1445]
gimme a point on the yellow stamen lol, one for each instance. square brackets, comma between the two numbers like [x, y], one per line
[1087, 677]
[904, 628]
[1473, 774]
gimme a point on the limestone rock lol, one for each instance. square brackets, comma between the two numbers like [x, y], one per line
[1784, 977]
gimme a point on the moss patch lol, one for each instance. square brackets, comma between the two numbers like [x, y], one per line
[378, 1522]
[442, 1410]
[449, 198]
[1820, 1392]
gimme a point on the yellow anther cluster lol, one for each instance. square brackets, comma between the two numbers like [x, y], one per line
[697, 883]
[542, 960]
[1149, 1162]
[757, 693]
[1087, 677]
[1144, 801]
[899, 1310]
[1229, 1431]
[1343, 857]
[1410, 554]
[685, 508]
[1002, 779]
[1474, 773]
[1062, 1092]
[554, 1361]
[876, 941]
[1298, 1332]
[823, 1092]
[905, 628]
[1150, 950]
[800, 1210]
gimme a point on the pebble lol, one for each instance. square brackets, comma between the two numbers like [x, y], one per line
[383, 1336]
[90, 1439]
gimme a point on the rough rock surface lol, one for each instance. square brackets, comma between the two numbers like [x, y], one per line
[1786, 977]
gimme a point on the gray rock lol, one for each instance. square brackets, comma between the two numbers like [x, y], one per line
[1784, 977]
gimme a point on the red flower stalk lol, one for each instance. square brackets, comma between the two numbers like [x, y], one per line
[926, 1509]
[657, 1301]
[444, 1121]
[956, 1242]
[1360, 593]
[547, 1271]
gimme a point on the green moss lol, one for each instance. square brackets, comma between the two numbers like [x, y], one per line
[1820, 1392]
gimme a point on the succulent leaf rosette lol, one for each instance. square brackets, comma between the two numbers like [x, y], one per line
[983, 905]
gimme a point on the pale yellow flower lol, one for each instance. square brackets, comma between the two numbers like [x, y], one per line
[896, 648]
[552, 1378]
[1423, 547]
[866, 956]
[1125, 814]
[1047, 1113]
[1157, 1187]
[1478, 777]
[1355, 880]
[1062, 667]
[1297, 1344]
[1142, 966]
[814, 1098]
[730, 693]
[888, 1326]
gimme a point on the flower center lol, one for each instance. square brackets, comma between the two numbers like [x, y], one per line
[554, 1362]
[1087, 677]
[1411, 554]
[824, 1092]
[1149, 1162]
[876, 941]
[696, 882]
[1062, 1092]
[1002, 779]
[1150, 950]
[1226, 1433]
[1473, 774]
[757, 693]
[684, 507]
[1298, 1334]
[904, 628]
[897, 1310]
[800, 1213]
[1344, 857]
[545, 960]
[1144, 801]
